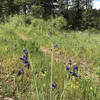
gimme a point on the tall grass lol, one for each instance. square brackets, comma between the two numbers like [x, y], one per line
[51, 72]
[34, 80]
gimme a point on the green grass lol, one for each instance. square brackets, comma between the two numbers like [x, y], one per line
[33, 34]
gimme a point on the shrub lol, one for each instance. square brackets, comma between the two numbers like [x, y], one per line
[58, 22]
[37, 11]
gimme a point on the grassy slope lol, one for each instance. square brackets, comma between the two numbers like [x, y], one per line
[80, 48]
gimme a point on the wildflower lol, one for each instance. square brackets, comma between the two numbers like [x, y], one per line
[71, 85]
[74, 74]
[72, 70]
[24, 49]
[54, 85]
[79, 77]
[67, 68]
[76, 86]
[43, 73]
[4, 40]
[6, 48]
[20, 71]
[14, 45]
[31, 51]
[27, 65]
[91, 88]
[75, 67]
[70, 62]
[25, 58]
[72, 79]
[56, 45]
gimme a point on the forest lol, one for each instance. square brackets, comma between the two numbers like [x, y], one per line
[78, 13]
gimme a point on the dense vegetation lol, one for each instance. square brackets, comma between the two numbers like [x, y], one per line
[47, 54]
[78, 13]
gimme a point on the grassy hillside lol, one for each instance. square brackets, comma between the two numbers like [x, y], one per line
[63, 65]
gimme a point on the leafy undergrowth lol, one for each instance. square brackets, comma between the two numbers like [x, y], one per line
[39, 61]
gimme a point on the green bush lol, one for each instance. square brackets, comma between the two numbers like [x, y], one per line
[37, 11]
[28, 24]
[58, 22]
[93, 31]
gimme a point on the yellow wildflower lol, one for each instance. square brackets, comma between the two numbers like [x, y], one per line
[91, 88]
[43, 73]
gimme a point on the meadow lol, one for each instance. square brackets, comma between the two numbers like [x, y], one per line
[40, 60]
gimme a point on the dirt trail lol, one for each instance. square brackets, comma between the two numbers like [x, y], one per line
[24, 37]
[46, 50]
[58, 55]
